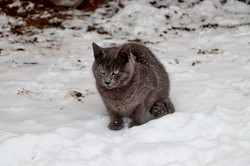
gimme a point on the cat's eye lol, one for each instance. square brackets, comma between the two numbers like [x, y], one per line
[116, 72]
[101, 71]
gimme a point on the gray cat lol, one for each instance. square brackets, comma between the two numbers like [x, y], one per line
[132, 83]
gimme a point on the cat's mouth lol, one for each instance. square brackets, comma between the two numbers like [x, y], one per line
[108, 86]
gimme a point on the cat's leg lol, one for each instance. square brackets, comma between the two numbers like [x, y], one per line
[138, 116]
[162, 108]
[116, 122]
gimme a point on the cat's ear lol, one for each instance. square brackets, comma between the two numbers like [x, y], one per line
[98, 53]
[124, 53]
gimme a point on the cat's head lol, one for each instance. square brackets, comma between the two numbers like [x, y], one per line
[113, 67]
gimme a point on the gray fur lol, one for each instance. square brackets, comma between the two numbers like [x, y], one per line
[141, 87]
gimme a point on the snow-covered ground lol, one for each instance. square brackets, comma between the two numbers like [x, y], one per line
[52, 115]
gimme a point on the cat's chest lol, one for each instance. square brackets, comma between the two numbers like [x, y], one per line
[122, 97]
[127, 100]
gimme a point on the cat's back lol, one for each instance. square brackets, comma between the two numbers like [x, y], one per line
[150, 66]
[143, 55]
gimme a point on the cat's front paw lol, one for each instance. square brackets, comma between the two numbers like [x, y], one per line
[115, 125]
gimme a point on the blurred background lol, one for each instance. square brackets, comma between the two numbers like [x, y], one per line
[52, 13]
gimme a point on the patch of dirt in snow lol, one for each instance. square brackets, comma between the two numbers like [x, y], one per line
[32, 14]
[42, 14]
[80, 96]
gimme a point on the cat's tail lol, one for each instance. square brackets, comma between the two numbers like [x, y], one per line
[162, 108]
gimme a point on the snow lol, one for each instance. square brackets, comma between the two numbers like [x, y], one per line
[42, 122]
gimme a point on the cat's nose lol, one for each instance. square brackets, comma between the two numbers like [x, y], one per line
[107, 82]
